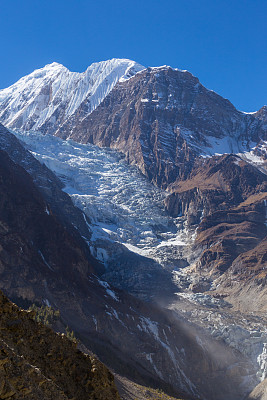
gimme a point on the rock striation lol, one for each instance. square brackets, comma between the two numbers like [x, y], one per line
[162, 119]
[259, 393]
[225, 197]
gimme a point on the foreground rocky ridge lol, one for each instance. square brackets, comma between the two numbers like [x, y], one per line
[36, 363]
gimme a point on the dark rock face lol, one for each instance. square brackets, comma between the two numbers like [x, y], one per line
[36, 363]
[31, 237]
[49, 186]
[161, 119]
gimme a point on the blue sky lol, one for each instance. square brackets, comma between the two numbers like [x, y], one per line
[223, 43]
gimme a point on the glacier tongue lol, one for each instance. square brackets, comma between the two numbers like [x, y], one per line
[122, 204]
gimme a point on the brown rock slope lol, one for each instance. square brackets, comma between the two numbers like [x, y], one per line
[260, 392]
[161, 119]
[132, 391]
[36, 363]
[226, 198]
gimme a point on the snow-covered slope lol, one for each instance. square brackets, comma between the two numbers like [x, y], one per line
[49, 96]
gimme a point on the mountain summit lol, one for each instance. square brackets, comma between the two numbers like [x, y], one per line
[47, 97]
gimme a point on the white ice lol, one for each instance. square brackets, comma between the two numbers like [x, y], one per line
[120, 202]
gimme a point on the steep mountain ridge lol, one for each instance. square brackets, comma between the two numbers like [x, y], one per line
[162, 119]
[167, 123]
[47, 97]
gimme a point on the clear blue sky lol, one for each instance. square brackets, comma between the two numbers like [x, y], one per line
[223, 43]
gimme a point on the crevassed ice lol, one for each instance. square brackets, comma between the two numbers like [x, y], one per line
[122, 205]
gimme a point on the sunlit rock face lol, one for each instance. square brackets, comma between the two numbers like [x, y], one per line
[260, 392]
[162, 119]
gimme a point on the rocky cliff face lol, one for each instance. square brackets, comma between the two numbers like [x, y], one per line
[166, 123]
[259, 393]
[36, 363]
[58, 203]
[225, 197]
[162, 119]
[35, 247]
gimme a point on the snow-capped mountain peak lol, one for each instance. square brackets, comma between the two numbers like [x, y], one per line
[50, 95]
[54, 64]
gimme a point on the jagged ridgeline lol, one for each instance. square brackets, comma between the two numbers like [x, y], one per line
[36, 363]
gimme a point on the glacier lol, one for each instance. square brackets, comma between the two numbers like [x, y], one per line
[122, 205]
